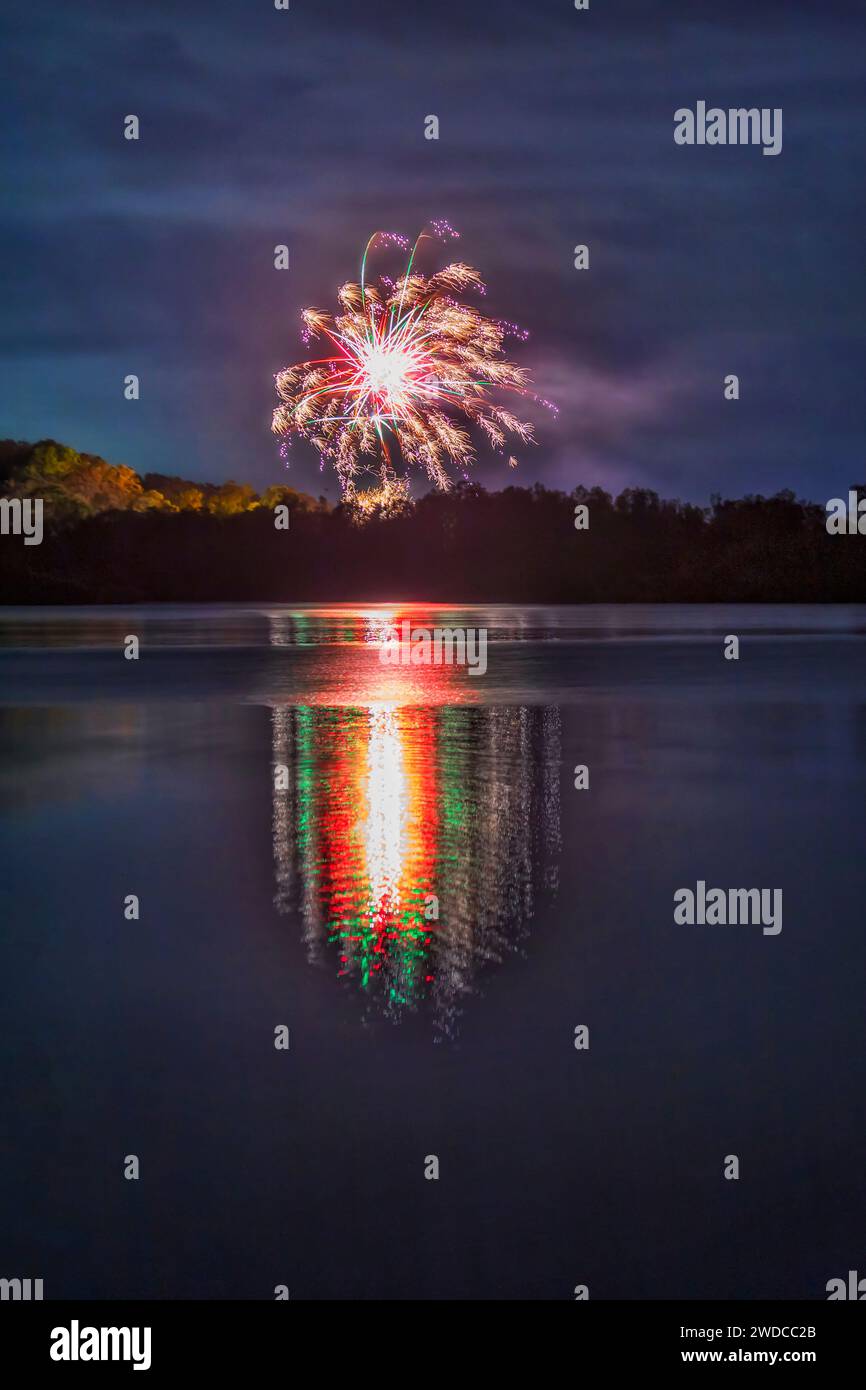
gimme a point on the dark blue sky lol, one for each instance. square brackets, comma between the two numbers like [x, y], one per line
[306, 127]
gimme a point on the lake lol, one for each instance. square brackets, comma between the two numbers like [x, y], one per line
[394, 865]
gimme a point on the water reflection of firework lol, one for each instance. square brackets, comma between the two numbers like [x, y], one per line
[414, 841]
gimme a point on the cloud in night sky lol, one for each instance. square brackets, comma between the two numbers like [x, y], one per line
[306, 127]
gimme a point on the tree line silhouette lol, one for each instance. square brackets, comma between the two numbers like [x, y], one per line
[114, 536]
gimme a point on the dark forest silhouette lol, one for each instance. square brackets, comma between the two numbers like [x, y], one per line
[112, 536]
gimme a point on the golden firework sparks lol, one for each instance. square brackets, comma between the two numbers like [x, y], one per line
[415, 367]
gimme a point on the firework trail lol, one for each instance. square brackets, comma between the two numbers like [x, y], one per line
[410, 357]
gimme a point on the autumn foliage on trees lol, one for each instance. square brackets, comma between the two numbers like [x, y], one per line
[74, 486]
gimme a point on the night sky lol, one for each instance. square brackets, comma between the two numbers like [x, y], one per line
[261, 127]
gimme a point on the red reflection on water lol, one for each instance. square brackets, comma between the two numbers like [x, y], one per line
[406, 836]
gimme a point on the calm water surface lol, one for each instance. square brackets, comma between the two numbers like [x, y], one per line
[395, 864]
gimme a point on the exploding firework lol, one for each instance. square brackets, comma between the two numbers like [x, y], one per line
[411, 357]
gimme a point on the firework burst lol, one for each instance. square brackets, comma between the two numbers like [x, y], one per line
[414, 368]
